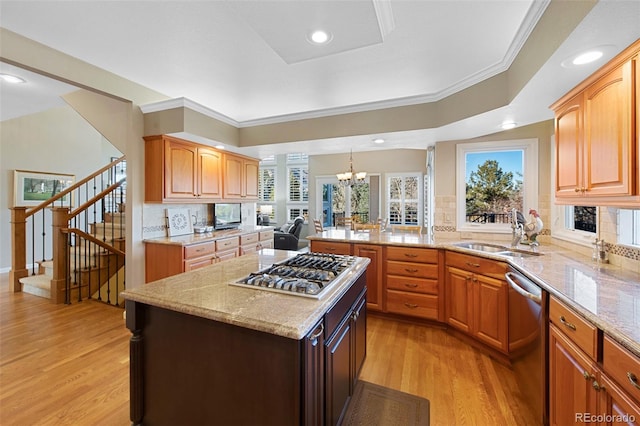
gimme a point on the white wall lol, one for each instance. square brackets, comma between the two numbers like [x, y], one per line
[57, 141]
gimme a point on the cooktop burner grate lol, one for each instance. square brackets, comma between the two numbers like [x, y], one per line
[306, 274]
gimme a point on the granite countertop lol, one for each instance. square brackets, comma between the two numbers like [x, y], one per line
[606, 295]
[207, 236]
[206, 292]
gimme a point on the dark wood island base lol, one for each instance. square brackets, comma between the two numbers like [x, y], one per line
[190, 370]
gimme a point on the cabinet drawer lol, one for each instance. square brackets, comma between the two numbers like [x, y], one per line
[226, 255]
[266, 235]
[410, 254]
[413, 304]
[227, 244]
[250, 248]
[622, 366]
[476, 264]
[248, 239]
[197, 250]
[408, 269]
[573, 326]
[193, 264]
[414, 285]
[330, 247]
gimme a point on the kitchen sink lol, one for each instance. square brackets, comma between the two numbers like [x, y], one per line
[486, 247]
[497, 249]
[518, 253]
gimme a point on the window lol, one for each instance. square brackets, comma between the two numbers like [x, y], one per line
[579, 218]
[298, 183]
[629, 227]
[267, 184]
[493, 178]
[404, 204]
[297, 186]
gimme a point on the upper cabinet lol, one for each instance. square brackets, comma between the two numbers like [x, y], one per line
[597, 136]
[181, 171]
[240, 177]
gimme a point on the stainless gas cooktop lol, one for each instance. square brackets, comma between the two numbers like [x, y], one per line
[307, 274]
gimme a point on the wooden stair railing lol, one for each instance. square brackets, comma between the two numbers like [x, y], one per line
[69, 227]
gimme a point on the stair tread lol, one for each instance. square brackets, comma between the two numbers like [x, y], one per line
[40, 281]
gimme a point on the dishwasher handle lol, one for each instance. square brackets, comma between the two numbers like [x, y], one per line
[509, 276]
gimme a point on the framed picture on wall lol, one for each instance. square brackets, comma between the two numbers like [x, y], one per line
[33, 188]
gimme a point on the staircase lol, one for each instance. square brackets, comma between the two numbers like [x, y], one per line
[86, 244]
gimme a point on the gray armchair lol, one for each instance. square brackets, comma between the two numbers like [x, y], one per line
[288, 236]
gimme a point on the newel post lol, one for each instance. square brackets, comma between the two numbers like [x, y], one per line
[18, 248]
[60, 221]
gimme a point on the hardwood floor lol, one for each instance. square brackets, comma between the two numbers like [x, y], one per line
[69, 365]
[463, 386]
[61, 364]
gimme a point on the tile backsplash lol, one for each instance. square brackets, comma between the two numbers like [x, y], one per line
[625, 256]
[154, 217]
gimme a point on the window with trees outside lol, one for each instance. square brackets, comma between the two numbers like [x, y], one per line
[492, 179]
[404, 203]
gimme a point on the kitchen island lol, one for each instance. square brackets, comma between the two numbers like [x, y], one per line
[204, 351]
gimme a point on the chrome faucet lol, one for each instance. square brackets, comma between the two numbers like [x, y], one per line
[517, 230]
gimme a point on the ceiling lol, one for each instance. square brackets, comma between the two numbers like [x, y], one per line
[251, 63]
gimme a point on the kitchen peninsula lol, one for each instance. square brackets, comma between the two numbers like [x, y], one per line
[205, 351]
[587, 322]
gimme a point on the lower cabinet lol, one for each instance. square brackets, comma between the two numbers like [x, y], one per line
[374, 273]
[345, 351]
[581, 389]
[571, 376]
[477, 304]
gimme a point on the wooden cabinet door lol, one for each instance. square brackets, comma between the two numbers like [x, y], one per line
[338, 378]
[232, 176]
[616, 404]
[569, 148]
[359, 316]
[458, 298]
[313, 390]
[608, 141]
[180, 170]
[250, 179]
[210, 173]
[490, 313]
[374, 273]
[571, 376]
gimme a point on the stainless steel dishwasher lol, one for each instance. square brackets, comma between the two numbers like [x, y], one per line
[528, 325]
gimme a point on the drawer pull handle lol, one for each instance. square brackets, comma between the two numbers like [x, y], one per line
[633, 379]
[411, 285]
[411, 270]
[410, 255]
[410, 305]
[314, 336]
[475, 265]
[566, 323]
[597, 386]
[587, 375]
[199, 250]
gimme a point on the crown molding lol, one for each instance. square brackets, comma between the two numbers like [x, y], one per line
[385, 20]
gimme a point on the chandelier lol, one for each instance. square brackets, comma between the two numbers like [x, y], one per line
[351, 178]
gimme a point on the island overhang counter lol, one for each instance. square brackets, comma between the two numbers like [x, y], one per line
[204, 351]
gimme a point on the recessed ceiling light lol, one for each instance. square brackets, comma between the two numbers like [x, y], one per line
[587, 57]
[320, 37]
[378, 140]
[12, 78]
[506, 125]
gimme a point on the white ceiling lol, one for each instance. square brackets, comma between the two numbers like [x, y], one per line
[250, 62]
